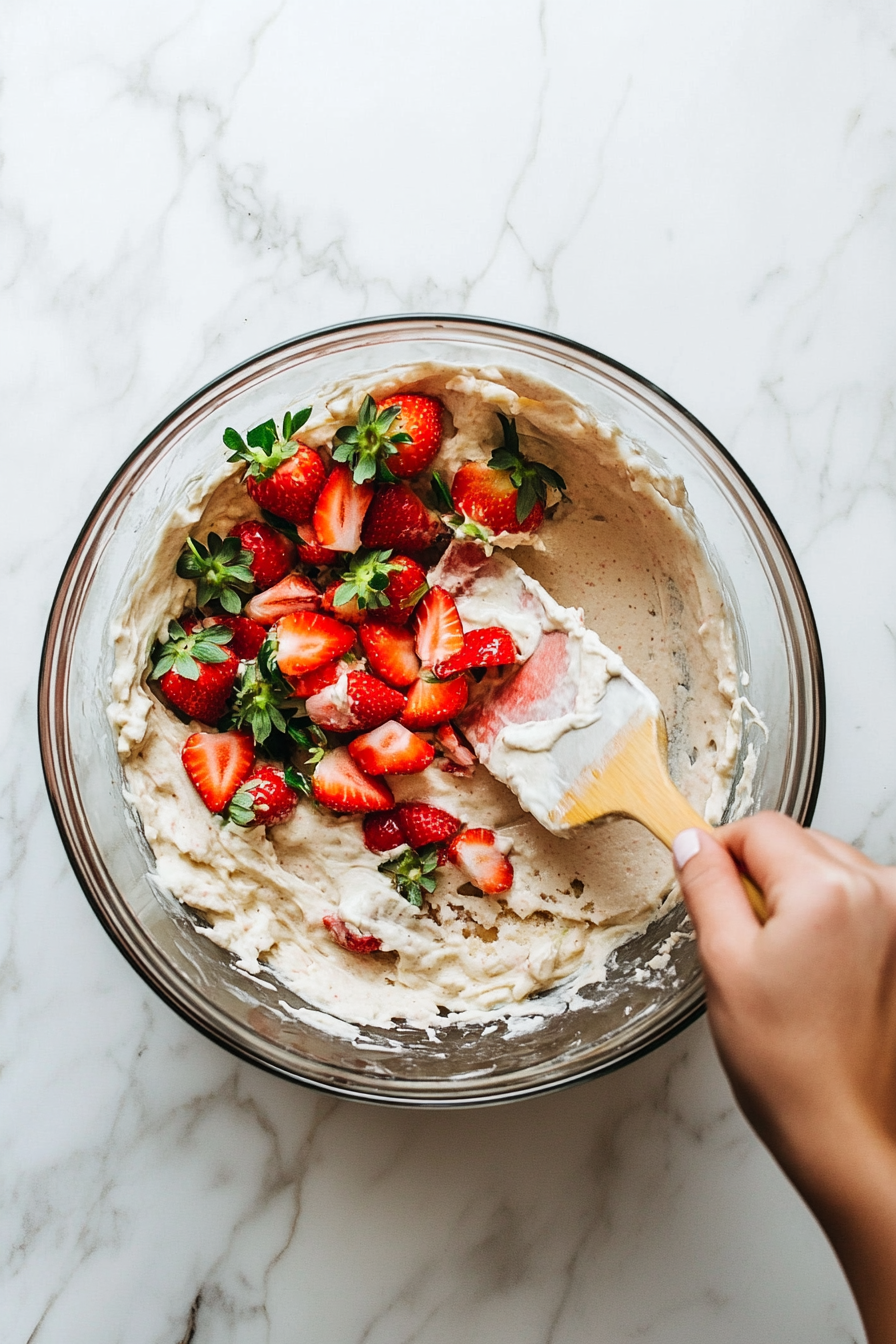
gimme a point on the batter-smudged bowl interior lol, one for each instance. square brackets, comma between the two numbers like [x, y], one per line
[255, 1016]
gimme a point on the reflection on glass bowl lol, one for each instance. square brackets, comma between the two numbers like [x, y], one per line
[256, 1016]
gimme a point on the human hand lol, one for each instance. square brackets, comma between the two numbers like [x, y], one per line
[803, 1012]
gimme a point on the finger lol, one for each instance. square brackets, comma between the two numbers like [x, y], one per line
[714, 894]
[776, 852]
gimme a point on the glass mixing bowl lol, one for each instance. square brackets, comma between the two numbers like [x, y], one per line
[257, 1017]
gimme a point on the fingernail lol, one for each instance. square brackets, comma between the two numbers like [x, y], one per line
[685, 845]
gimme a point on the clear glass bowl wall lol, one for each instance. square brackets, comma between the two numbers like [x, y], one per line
[461, 1066]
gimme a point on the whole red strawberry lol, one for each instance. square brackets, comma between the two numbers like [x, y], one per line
[399, 519]
[361, 701]
[282, 475]
[423, 824]
[385, 585]
[508, 493]
[398, 436]
[266, 798]
[196, 672]
[273, 555]
[382, 832]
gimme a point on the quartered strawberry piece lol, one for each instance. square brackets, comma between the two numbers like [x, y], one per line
[272, 554]
[433, 702]
[340, 784]
[398, 518]
[460, 760]
[438, 632]
[354, 701]
[308, 639]
[196, 671]
[390, 652]
[492, 646]
[422, 824]
[339, 931]
[294, 593]
[382, 832]
[340, 510]
[391, 749]
[217, 764]
[475, 852]
[265, 798]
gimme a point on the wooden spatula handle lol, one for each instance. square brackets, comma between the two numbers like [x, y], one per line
[665, 812]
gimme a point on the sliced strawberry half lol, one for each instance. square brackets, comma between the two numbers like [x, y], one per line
[391, 749]
[354, 701]
[423, 824]
[491, 646]
[341, 785]
[390, 652]
[217, 764]
[382, 832]
[433, 702]
[475, 852]
[340, 510]
[339, 931]
[308, 639]
[294, 593]
[438, 632]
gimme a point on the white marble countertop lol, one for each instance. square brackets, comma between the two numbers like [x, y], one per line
[705, 192]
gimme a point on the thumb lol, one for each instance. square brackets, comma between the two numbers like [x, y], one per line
[715, 897]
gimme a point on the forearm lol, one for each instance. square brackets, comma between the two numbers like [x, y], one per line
[850, 1185]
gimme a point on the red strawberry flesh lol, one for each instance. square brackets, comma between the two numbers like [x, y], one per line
[341, 785]
[433, 702]
[438, 632]
[339, 931]
[492, 646]
[476, 854]
[391, 749]
[390, 652]
[294, 593]
[217, 764]
[308, 640]
[340, 510]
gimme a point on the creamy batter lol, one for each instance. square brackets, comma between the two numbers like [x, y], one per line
[624, 549]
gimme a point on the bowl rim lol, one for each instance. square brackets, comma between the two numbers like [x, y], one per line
[46, 733]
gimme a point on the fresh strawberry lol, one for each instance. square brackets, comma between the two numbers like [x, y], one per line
[492, 646]
[438, 632]
[310, 550]
[508, 493]
[217, 764]
[247, 636]
[382, 832]
[339, 931]
[265, 797]
[423, 824]
[340, 511]
[308, 639]
[282, 475]
[397, 518]
[348, 610]
[273, 555]
[390, 652]
[319, 679]
[395, 437]
[220, 567]
[263, 700]
[391, 749]
[475, 852]
[378, 582]
[195, 672]
[420, 418]
[360, 701]
[340, 784]
[459, 759]
[294, 593]
[433, 702]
